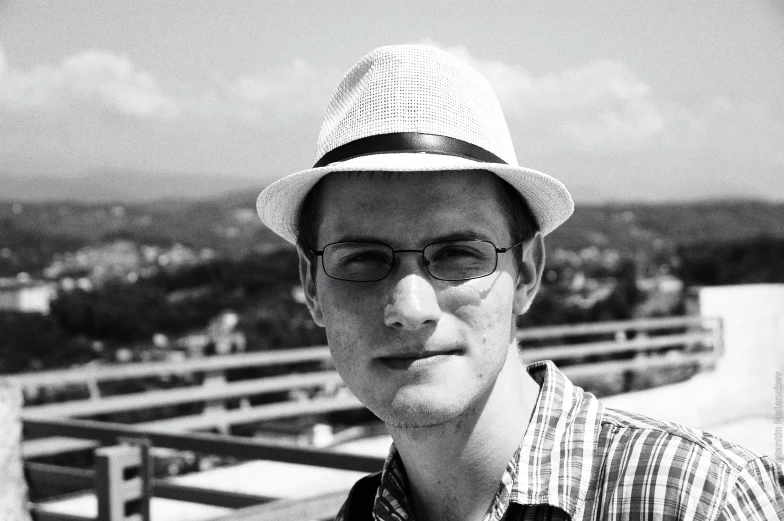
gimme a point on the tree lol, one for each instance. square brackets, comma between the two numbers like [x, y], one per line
[30, 342]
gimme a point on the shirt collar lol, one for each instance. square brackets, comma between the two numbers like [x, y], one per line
[551, 466]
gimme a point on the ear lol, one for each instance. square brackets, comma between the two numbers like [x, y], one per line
[529, 275]
[309, 287]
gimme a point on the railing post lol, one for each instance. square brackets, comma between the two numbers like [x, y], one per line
[92, 383]
[719, 335]
[215, 379]
[123, 481]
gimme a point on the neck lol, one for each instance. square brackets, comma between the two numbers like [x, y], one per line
[454, 469]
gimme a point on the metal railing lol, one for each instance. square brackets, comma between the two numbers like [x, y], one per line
[123, 453]
[584, 352]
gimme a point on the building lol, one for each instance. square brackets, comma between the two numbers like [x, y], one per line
[225, 336]
[25, 294]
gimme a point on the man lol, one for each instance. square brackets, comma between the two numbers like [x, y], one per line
[420, 240]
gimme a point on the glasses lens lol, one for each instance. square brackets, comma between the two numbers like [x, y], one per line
[358, 261]
[460, 260]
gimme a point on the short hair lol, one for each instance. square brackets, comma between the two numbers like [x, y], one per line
[520, 221]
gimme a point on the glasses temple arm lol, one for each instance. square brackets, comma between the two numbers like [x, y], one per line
[504, 250]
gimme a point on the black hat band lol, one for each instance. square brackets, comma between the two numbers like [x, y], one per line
[408, 142]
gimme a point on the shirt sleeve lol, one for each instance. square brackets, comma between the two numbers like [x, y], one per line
[758, 494]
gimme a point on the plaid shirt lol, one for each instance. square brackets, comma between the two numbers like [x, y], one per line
[582, 461]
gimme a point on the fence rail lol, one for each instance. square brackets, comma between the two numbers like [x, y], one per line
[617, 346]
[176, 396]
[583, 352]
[104, 373]
[235, 446]
[697, 340]
[248, 506]
[40, 474]
[636, 325]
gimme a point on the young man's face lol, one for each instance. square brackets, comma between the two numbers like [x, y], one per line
[383, 334]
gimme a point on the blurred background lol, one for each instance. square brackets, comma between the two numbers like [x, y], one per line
[135, 137]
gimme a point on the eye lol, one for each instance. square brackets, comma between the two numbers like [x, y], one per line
[456, 252]
[356, 255]
[368, 256]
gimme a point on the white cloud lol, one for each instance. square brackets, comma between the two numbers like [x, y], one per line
[298, 89]
[263, 87]
[96, 79]
[601, 107]
[54, 118]
[75, 92]
[98, 108]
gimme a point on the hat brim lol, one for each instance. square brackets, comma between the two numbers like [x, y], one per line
[279, 204]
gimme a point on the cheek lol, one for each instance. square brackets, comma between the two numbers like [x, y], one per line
[486, 313]
[351, 323]
[485, 307]
[350, 316]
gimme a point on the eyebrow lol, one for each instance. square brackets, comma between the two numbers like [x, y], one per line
[455, 236]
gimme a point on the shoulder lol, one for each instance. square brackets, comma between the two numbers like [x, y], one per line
[687, 473]
[758, 492]
[656, 435]
[359, 503]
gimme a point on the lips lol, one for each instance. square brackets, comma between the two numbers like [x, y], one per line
[416, 359]
[418, 355]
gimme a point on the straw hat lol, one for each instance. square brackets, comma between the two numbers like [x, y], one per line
[413, 108]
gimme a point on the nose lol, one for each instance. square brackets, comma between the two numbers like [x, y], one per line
[413, 302]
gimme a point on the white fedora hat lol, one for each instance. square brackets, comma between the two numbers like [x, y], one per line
[413, 108]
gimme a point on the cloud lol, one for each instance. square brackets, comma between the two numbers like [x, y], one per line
[103, 80]
[98, 108]
[600, 107]
[264, 87]
[273, 96]
[96, 79]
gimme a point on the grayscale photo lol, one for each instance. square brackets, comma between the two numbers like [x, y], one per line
[409, 261]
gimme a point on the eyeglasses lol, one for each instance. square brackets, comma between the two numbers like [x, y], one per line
[447, 260]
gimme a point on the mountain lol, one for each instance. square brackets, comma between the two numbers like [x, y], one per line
[625, 226]
[225, 220]
[119, 186]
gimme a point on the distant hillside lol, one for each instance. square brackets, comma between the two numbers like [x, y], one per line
[229, 224]
[30, 233]
[224, 224]
[630, 225]
[119, 186]
[739, 262]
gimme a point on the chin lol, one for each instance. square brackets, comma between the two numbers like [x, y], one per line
[420, 408]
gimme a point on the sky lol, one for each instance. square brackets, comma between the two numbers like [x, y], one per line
[622, 101]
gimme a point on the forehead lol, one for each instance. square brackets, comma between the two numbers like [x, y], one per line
[402, 208]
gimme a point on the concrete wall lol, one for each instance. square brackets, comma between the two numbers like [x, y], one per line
[736, 401]
[13, 488]
[753, 317]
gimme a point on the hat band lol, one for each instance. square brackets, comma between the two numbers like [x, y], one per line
[402, 142]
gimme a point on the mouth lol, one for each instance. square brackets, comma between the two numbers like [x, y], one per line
[407, 360]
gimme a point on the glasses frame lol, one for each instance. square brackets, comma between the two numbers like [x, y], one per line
[320, 253]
